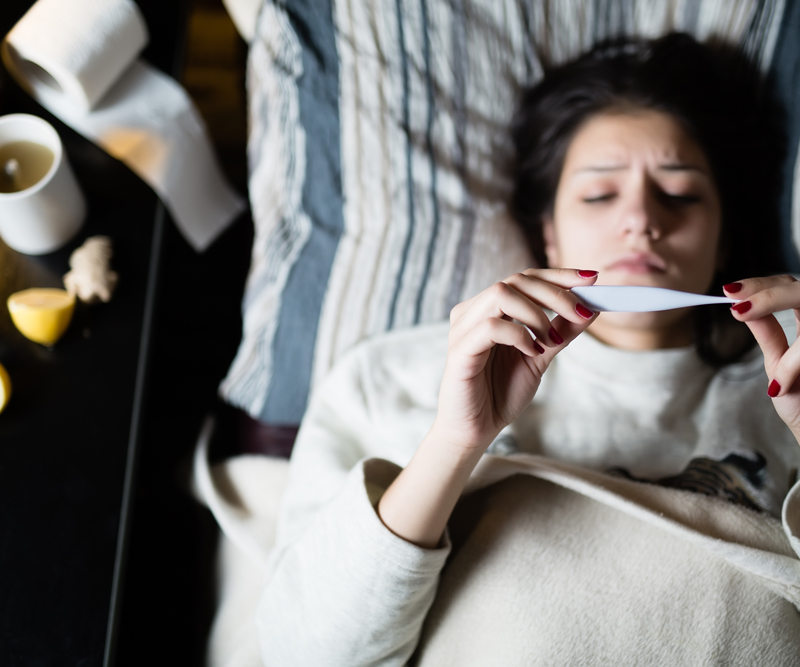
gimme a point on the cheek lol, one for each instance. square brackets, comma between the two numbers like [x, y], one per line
[699, 238]
[695, 250]
[581, 241]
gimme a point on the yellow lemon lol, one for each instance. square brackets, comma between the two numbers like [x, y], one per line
[5, 387]
[42, 314]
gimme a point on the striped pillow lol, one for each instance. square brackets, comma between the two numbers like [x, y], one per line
[379, 160]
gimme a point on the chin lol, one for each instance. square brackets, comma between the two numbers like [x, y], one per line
[645, 321]
[652, 279]
[647, 278]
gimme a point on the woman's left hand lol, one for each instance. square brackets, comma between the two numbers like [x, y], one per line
[760, 298]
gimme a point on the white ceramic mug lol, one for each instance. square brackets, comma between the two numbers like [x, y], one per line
[45, 216]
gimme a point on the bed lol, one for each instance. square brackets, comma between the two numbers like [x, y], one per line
[378, 179]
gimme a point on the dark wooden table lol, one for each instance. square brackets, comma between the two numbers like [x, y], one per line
[69, 437]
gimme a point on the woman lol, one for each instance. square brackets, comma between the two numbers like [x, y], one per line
[632, 170]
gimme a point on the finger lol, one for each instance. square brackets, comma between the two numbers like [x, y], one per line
[554, 295]
[460, 309]
[745, 289]
[561, 301]
[771, 339]
[786, 371]
[491, 332]
[500, 301]
[506, 301]
[569, 330]
[767, 301]
[565, 278]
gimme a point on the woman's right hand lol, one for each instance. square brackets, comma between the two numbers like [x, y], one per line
[494, 366]
[492, 371]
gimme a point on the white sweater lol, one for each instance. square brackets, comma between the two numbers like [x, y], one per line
[343, 590]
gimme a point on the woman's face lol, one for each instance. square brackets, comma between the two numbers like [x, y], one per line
[637, 202]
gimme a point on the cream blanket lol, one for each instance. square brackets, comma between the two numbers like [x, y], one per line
[337, 588]
[557, 566]
[564, 572]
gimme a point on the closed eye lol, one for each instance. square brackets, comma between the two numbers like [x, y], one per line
[599, 198]
[678, 200]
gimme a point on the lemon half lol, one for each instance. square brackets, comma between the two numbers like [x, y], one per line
[5, 387]
[42, 314]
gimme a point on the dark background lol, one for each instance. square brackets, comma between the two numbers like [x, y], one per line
[166, 596]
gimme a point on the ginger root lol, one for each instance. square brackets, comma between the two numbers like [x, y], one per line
[91, 279]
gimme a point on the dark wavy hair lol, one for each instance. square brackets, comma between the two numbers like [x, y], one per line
[724, 104]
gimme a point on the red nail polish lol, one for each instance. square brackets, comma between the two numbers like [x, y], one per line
[538, 347]
[774, 389]
[732, 288]
[587, 274]
[742, 307]
[555, 336]
[583, 311]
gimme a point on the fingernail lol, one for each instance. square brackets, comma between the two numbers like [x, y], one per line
[742, 307]
[732, 287]
[774, 389]
[538, 347]
[555, 336]
[587, 274]
[583, 311]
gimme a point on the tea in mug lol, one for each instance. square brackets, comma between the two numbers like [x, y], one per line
[23, 164]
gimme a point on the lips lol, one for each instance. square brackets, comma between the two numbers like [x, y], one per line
[638, 263]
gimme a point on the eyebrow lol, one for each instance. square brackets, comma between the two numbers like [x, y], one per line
[679, 166]
[672, 166]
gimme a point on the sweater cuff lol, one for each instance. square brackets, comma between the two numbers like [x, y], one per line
[791, 517]
[349, 591]
[373, 477]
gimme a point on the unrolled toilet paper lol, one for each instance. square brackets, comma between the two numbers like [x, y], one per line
[78, 58]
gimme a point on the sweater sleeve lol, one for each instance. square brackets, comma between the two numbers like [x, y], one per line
[342, 589]
[348, 592]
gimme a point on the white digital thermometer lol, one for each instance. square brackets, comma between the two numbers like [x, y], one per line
[639, 299]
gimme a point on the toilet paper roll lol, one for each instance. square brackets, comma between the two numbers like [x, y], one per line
[78, 58]
[77, 49]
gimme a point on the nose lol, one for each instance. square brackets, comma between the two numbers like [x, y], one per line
[640, 214]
